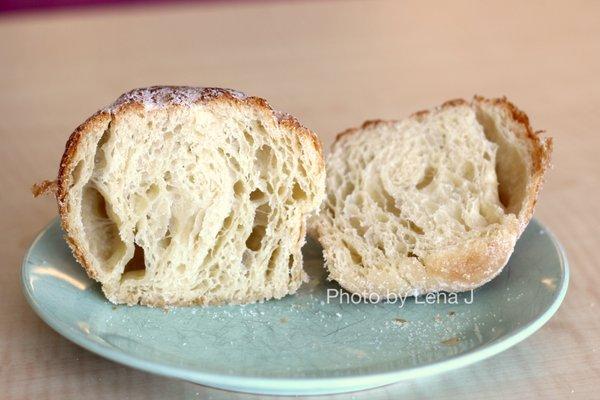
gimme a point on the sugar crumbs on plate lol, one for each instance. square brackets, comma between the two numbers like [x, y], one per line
[451, 342]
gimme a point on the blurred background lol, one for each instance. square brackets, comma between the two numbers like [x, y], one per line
[332, 64]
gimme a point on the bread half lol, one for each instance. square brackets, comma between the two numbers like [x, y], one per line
[434, 202]
[182, 195]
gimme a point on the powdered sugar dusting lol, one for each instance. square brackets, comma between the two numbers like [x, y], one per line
[160, 97]
[157, 97]
[281, 115]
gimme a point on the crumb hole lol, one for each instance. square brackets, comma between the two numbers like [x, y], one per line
[165, 242]
[257, 195]
[226, 224]
[427, 178]
[261, 219]
[255, 239]
[272, 262]
[298, 194]
[101, 229]
[415, 228]
[100, 156]
[263, 159]
[238, 188]
[249, 138]
[97, 203]
[357, 225]
[137, 262]
[389, 203]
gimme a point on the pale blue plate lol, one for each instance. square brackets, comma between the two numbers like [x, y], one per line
[301, 344]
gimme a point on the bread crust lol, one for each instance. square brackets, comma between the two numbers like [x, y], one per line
[464, 266]
[148, 99]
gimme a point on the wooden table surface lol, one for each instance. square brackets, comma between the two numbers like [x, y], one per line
[333, 64]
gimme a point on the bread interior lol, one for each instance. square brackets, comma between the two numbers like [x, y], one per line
[194, 202]
[405, 189]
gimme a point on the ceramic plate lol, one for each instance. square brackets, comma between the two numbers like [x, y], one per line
[314, 342]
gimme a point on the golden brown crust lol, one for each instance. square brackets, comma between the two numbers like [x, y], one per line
[371, 123]
[420, 115]
[148, 99]
[454, 103]
[470, 265]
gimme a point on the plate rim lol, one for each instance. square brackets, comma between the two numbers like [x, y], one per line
[302, 385]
